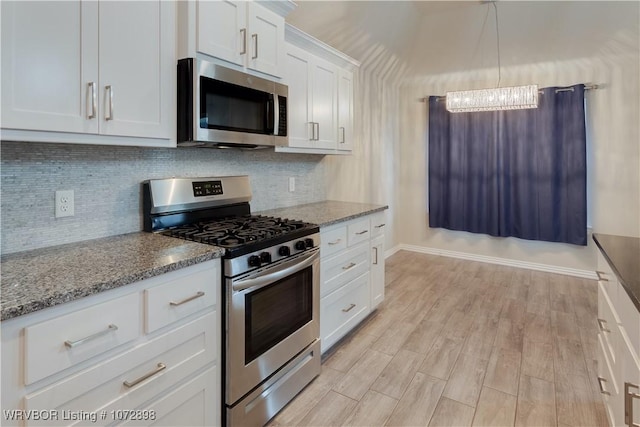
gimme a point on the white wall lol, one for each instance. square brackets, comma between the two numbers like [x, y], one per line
[614, 177]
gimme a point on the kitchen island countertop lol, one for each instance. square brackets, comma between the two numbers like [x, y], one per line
[623, 255]
[41, 278]
[325, 213]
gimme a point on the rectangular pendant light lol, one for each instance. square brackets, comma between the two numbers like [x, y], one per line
[501, 98]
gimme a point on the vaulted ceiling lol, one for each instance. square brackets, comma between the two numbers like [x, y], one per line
[436, 37]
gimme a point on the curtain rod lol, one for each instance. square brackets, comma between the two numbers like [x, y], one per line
[587, 86]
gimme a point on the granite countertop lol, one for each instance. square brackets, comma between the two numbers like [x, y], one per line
[623, 255]
[325, 213]
[41, 278]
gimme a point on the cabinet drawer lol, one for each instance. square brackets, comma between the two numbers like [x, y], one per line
[378, 223]
[608, 324]
[358, 232]
[629, 319]
[182, 351]
[179, 298]
[341, 310]
[608, 279]
[65, 341]
[332, 241]
[343, 267]
[607, 382]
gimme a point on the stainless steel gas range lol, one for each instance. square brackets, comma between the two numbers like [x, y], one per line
[271, 274]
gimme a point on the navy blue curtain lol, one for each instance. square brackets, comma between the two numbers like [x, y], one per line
[518, 173]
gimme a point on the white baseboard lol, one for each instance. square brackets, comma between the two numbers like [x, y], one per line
[391, 251]
[585, 274]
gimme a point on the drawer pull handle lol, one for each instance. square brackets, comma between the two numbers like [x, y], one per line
[601, 276]
[360, 233]
[160, 367]
[335, 242]
[602, 390]
[347, 267]
[603, 328]
[628, 404]
[72, 344]
[198, 295]
[379, 226]
[346, 310]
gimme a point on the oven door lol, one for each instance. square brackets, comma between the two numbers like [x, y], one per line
[272, 316]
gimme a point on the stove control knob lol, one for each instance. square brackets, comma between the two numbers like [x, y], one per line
[265, 257]
[301, 245]
[284, 251]
[308, 243]
[254, 261]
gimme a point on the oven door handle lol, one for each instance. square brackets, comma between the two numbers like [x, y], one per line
[280, 272]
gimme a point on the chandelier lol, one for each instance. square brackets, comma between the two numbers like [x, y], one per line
[493, 99]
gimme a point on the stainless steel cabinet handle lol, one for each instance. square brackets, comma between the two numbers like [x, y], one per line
[91, 94]
[347, 267]
[603, 328]
[198, 295]
[346, 310]
[317, 131]
[255, 38]
[379, 226]
[601, 276]
[243, 31]
[360, 233]
[376, 261]
[602, 390]
[110, 328]
[343, 137]
[335, 242]
[159, 367]
[109, 89]
[628, 404]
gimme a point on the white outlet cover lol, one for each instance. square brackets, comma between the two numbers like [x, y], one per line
[64, 203]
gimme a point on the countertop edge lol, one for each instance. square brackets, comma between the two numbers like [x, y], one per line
[634, 298]
[354, 216]
[35, 305]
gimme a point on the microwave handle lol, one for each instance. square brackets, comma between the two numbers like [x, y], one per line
[276, 114]
[272, 108]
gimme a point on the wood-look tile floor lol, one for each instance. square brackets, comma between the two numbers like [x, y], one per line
[462, 343]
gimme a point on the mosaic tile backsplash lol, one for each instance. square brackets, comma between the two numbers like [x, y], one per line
[106, 183]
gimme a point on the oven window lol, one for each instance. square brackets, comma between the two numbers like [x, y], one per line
[226, 106]
[276, 311]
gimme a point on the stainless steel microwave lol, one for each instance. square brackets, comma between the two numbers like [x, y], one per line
[221, 107]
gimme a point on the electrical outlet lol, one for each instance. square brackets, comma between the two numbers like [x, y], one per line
[64, 203]
[292, 184]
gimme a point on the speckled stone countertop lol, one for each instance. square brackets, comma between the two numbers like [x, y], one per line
[623, 255]
[325, 213]
[42, 278]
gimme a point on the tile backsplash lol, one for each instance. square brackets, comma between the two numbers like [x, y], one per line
[106, 182]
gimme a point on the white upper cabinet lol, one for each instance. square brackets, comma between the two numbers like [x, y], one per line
[49, 61]
[222, 30]
[243, 33]
[89, 70]
[345, 110]
[320, 81]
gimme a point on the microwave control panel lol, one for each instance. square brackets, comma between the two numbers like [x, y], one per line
[207, 188]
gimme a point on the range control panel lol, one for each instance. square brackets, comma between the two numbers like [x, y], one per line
[207, 188]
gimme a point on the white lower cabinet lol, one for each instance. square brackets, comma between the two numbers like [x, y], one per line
[351, 275]
[169, 376]
[618, 350]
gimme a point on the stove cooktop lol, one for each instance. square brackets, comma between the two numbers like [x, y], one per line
[243, 234]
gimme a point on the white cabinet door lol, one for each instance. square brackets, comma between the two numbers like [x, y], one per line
[222, 30]
[297, 75]
[49, 59]
[377, 271]
[136, 68]
[266, 40]
[345, 110]
[325, 102]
